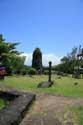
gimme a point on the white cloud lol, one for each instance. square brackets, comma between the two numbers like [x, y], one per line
[50, 57]
[45, 59]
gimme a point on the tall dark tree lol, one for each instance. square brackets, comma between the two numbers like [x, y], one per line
[37, 59]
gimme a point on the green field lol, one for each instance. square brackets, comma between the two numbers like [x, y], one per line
[64, 86]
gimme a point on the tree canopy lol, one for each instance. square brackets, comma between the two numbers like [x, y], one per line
[69, 61]
[9, 56]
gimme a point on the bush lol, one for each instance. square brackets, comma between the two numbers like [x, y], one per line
[46, 72]
[24, 72]
[32, 71]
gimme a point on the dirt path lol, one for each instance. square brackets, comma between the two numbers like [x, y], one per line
[50, 109]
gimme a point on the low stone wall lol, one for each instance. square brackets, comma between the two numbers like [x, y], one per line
[15, 111]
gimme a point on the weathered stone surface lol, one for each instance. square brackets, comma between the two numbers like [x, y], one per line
[45, 84]
[70, 123]
[13, 113]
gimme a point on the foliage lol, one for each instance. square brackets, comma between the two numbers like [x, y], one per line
[10, 57]
[24, 70]
[69, 62]
[46, 72]
[32, 71]
[37, 59]
[18, 64]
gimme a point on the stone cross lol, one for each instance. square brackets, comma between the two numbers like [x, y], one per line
[50, 63]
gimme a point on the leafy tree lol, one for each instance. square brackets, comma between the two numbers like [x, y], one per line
[65, 59]
[18, 64]
[68, 62]
[9, 56]
[37, 59]
[74, 53]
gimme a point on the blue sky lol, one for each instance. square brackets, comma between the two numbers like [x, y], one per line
[53, 25]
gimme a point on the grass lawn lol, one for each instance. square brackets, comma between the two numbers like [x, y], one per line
[64, 86]
[78, 114]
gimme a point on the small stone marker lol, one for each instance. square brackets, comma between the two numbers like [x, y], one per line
[48, 83]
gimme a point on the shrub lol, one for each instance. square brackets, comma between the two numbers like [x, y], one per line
[46, 72]
[24, 72]
[32, 71]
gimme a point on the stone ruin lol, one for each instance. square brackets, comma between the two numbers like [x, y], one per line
[16, 109]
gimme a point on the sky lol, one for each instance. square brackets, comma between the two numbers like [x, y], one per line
[55, 26]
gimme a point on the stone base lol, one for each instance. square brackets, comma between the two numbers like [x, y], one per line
[45, 84]
[19, 103]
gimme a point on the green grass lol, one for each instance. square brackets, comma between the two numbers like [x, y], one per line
[78, 114]
[2, 104]
[64, 86]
